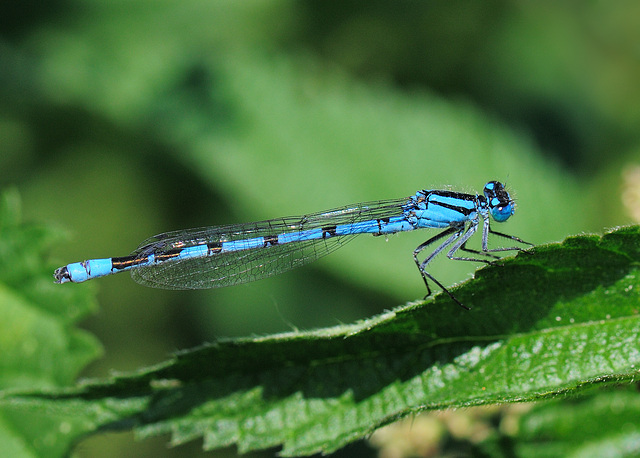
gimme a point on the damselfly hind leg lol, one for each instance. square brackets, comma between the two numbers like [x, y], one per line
[453, 233]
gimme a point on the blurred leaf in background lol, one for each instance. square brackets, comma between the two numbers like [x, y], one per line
[40, 346]
[120, 120]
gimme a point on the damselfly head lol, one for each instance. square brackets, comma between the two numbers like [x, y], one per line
[501, 205]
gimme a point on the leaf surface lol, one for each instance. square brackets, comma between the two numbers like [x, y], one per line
[548, 323]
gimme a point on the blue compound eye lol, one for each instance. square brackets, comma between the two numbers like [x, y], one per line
[502, 212]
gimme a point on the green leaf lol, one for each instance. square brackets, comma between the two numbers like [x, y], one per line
[548, 323]
[605, 424]
[39, 348]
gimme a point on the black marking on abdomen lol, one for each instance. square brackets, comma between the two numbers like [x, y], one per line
[167, 255]
[214, 247]
[126, 262]
[380, 222]
[270, 240]
[329, 231]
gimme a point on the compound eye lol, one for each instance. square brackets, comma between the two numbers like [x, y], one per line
[502, 212]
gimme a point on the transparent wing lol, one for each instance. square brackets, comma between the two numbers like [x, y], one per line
[242, 266]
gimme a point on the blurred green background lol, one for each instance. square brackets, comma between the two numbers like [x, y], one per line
[123, 119]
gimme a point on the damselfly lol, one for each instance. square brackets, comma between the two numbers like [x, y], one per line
[228, 255]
